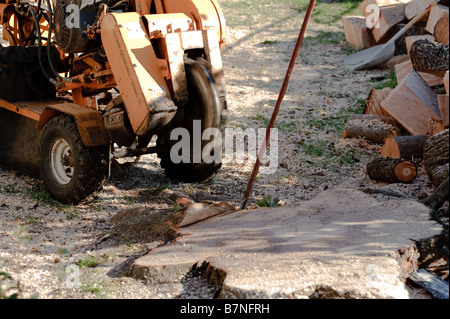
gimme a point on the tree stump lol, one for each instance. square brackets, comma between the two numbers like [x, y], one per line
[436, 152]
[391, 170]
[429, 56]
[407, 147]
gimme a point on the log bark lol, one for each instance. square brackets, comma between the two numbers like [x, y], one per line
[436, 152]
[391, 170]
[375, 128]
[406, 147]
[413, 38]
[439, 174]
[429, 56]
[439, 197]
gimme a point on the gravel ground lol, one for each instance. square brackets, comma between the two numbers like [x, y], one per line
[40, 239]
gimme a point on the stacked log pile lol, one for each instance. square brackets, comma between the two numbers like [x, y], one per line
[380, 19]
[411, 121]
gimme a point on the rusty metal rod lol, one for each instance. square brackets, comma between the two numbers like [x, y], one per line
[279, 101]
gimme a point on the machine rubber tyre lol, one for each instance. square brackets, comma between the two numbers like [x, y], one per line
[71, 171]
[204, 104]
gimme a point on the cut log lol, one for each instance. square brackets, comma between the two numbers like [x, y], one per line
[411, 39]
[436, 13]
[444, 108]
[429, 56]
[373, 104]
[407, 147]
[356, 32]
[441, 30]
[374, 128]
[439, 197]
[389, 17]
[439, 174]
[404, 68]
[391, 170]
[385, 118]
[412, 103]
[446, 82]
[436, 152]
[416, 7]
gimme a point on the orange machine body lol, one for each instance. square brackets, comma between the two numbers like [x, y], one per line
[145, 49]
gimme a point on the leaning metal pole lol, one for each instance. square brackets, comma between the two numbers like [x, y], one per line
[279, 101]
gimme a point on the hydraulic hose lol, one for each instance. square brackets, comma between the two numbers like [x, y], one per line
[50, 62]
[44, 71]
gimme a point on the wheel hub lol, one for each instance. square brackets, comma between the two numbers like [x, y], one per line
[61, 161]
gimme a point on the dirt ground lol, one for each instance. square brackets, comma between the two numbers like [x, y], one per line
[40, 238]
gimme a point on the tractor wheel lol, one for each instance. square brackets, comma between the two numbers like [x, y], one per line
[71, 171]
[204, 105]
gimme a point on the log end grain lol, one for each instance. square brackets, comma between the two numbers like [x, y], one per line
[405, 171]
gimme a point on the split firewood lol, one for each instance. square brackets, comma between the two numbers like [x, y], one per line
[429, 56]
[365, 10]
[356, 32]
[404, 68]
[435, 126]
[407, 147]
[391, 170]
[412, 103]
[443, 101]
[389, 17]
[441, 30]
[446, 82]
[436, 152]
[375, 128]
[439, 197]
[436, 13]
[415, 7]
[373, 103]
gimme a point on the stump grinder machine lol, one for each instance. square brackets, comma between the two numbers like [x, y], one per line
[85, 81]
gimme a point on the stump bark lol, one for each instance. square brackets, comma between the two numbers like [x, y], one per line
[391, 170]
